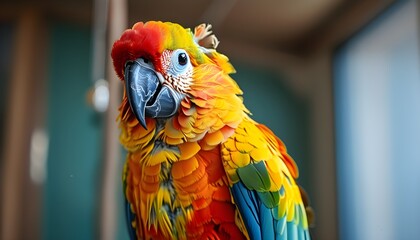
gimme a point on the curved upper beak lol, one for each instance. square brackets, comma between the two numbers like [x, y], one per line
[147, 95]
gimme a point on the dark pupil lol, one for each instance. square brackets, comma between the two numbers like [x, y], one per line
[182, 59]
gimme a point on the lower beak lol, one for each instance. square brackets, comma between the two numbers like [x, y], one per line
[147, 95]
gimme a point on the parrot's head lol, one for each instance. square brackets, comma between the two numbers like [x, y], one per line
[170, 72]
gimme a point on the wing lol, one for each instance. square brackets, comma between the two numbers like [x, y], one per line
[262, 180]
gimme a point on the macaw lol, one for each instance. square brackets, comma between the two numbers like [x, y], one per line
[198, 167]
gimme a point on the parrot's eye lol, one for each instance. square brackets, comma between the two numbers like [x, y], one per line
[180, 62]
[182, 58]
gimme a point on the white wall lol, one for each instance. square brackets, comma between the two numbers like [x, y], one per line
[377, 109]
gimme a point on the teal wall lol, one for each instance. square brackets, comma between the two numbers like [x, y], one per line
[71, 190]
[73, 187]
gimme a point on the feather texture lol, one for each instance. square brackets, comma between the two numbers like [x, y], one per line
[209, 171]
[264, 190]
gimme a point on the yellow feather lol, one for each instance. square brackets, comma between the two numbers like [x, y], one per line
[282, 206]
[165, 224]
[240, 159]
[229, 145]
[276, 177]
[158, 156]
[171, 131]
[241, 138]
[244, 147]
[180, 224]
[197, 136]
[259, 154]
[233, 176]
[173, 141]
[304, 218]
[291, 212]
[214, 138]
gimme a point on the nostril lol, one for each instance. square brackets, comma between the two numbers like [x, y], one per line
[145, 60]
[127, 64]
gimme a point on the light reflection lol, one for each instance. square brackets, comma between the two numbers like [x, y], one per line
[38, 156]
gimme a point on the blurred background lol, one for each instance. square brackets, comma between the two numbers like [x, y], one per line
[337, 80]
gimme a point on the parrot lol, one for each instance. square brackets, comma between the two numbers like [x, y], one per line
[197, 165]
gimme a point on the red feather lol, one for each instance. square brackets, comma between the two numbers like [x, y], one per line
[143, 40]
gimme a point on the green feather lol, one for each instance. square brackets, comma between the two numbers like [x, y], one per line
[270, 199]
[255, 176]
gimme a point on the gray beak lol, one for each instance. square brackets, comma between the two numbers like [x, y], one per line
[147, 95]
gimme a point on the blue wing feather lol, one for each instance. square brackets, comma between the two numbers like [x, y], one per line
[246, 201]
[281, 231]
[259, 220]
[267, 222]
[129, 215]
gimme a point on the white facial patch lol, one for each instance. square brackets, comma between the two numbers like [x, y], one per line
[177, 69]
